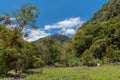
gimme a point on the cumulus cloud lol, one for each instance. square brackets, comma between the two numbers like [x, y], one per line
[34, 34]
[67, 26]
[68, 31]
[70, 22]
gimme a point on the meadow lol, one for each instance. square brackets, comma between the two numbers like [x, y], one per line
[74, 73]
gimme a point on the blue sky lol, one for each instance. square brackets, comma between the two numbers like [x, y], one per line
[57, 16]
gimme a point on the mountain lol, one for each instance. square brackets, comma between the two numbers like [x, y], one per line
[56, 38]
[96, 41]
[99, 38]
[59, 38]
[108, 11]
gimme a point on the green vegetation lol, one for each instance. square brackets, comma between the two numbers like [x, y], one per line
[108, 11]
[61, 39]
[96, 41]
[79, 73]
[15, 53]
[75, 73]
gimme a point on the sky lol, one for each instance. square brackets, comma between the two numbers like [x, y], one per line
[56, 16]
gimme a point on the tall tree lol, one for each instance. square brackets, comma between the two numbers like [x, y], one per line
[26, 16]
[15, 49]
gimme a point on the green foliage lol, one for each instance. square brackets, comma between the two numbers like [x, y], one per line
[81, 43]
[74, 62]
[62, 39]
[114, 56]
[108, 11]
[49, 50]
[8, 59]
[38, 63]
[15, 53]
[54, 52]
[98, 49]
[26, 15]
[89, 60]
[68, 54]
[98, 39]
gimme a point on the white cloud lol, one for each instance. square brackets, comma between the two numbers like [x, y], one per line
[67, 31]
[34, 34]
[67, 23]
[67, 26]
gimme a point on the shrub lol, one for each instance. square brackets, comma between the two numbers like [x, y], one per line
[58, 64]
[89, 60]
[74, 62]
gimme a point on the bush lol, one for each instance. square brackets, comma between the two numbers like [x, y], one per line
[57, 64]
[89, 60]
[115, 56]
[106, 60]
[74, 62]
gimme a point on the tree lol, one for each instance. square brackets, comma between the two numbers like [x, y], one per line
[15, 49]
[26, 16]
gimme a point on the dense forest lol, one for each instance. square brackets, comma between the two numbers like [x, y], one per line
[96, 41]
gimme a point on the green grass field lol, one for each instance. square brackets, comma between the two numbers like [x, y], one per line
[75, 73]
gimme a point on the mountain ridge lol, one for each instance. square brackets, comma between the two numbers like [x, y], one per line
[98, 38]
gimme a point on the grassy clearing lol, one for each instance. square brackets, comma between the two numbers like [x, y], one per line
[76, 73]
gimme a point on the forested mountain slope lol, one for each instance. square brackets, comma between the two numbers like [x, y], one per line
[51, 48]
[59, 38]
[56, 38]
[99, 38]
[96, 41]
[109, 10]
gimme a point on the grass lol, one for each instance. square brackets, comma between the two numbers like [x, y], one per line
[75, 73]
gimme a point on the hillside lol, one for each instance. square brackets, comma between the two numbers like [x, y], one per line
[108, 11]
[59, 38]
[98, 38]
[51, 48]
[96, 41]
[56, 38]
